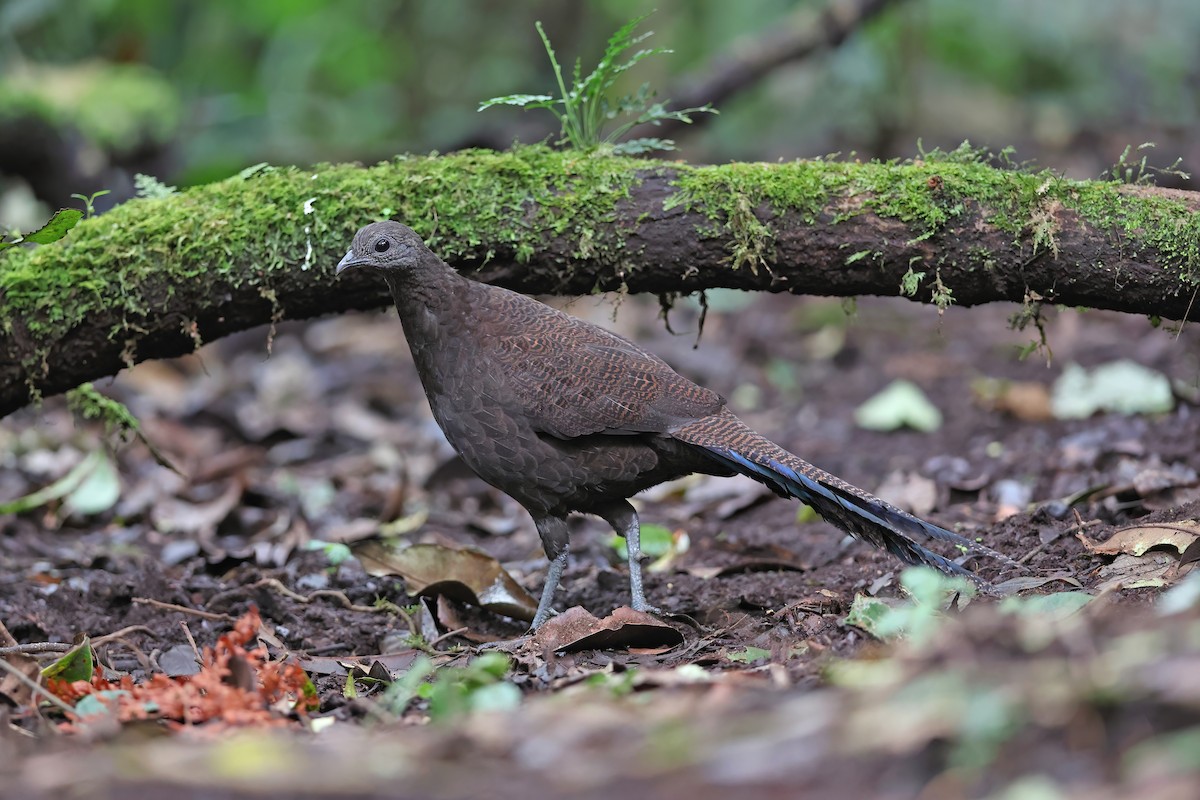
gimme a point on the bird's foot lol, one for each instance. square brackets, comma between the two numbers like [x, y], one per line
[646, 608]
[540, 618]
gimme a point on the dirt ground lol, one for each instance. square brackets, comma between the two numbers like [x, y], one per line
[330, 436]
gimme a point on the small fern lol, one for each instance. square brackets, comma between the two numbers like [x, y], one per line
[587, 108]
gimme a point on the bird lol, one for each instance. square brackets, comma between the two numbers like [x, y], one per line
[567, 417]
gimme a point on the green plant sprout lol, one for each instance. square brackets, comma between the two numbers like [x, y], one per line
[89, 201]
[587, 108]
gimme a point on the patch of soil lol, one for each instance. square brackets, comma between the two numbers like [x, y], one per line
[331, 434]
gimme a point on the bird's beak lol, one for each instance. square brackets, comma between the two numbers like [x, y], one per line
[348, 261]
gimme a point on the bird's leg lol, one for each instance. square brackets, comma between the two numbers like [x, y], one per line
[625, 522]
[553, 576]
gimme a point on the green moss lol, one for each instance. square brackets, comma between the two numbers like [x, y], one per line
[258, 228]
[247, 230]
[928, 194]
[1144, 222]
[116, 106]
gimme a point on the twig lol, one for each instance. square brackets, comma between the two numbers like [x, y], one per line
[142, 659]
[35, 687]
[447, 635]
[192, 641]
[1188, 313]
[147, 601]
[35, 647]
[275, 585]
[787, 40]
[121, 634]
[1079, 526]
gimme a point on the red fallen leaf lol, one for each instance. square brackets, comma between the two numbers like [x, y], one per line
[576, 629]
[235, 687]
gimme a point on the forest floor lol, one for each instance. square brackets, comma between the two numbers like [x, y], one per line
[777, 668]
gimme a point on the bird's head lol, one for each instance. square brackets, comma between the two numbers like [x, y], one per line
[385, 245]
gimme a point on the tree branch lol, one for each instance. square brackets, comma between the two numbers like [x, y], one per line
[156, 278]
[803, 33]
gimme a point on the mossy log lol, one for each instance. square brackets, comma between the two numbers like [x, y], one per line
[156, 278]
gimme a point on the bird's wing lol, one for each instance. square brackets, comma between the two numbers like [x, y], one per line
[573, 378]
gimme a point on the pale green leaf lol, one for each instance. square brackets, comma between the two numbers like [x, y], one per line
[1122, 387]
[519, 100]
[98, 491]
[901, 404]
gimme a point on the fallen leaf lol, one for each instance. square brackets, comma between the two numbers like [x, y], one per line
[98, 491]
[172, 515]
[657, 541]
[748, 655]
[464, 575]
[74, 665]
[1025, 582]
[73, 481]
[1057, 605]
[1190, 554]
[1025, 400]
[1137, 539]
[870, 613]
[575, 629]
[179, 660]
[909, 492]
[1123, 387]
[1134, 572]
[901, 404]
[388, 663]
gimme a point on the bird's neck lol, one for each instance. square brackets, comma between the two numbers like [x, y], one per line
[435, 308]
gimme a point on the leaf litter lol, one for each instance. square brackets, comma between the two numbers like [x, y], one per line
[754, 688]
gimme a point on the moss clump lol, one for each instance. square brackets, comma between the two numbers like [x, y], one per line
[248, 229]
[1144, 223]
[256, 228]
[927, 194]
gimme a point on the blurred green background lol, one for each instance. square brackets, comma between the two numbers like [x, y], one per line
[195, 91]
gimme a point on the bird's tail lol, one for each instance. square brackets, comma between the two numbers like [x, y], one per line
[730, 442]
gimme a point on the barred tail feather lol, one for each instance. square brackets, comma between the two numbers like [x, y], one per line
[735, 446]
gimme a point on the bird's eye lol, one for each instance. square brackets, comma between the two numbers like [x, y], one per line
[382, 245]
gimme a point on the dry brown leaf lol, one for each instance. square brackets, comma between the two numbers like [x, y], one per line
[1025, 400]
[1137, 539]
[1138, 572]
[576, 629]
[465, 575]
[17, 692]
[172, 515]
[1026, 582]
[910, 492]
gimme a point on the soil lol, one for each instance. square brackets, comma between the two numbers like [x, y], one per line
[330, 435]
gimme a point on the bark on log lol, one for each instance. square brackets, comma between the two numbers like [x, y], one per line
[155, 278]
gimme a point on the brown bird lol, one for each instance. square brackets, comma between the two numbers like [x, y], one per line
[567, 417]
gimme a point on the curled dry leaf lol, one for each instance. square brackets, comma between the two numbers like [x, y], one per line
[172, 515]
[1026, 582]
[1137, 539]
[1133, 572]
[465, 575]
[576, 629]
